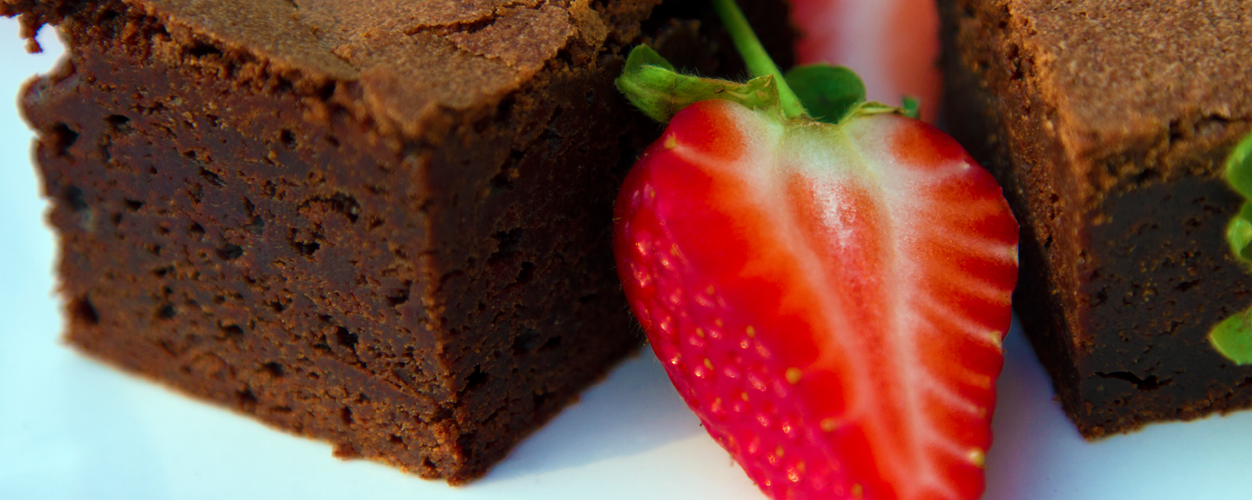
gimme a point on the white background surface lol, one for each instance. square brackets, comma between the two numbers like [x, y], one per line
[74, 429]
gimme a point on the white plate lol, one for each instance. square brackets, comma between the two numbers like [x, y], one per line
[71, 428]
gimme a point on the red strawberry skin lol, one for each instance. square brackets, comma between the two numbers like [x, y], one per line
[829, 300]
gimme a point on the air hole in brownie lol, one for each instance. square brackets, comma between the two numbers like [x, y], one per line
[399, 296]
[1100, 298]
[526, 341]
[196, 229]
[476, 379]
[246, 400]
[443, 413]
[345, 338]
[118, 122]
[132, 205]
[306, 248]
[553, 139]
[83, 311]
[591, 96]
[273, 369]
[255, 225]
[232, 331]
[202, 49]
[165, 311]
[160, 272]
[210, 175]
[503, 180]
[61, 137]
[396, 440]
[219, 299]
[74, 198]
[230, 251]
[1187, 285]
[528, 270]
[332, 141]
[345, 414]
[550, 344]
[1145, 384]
[115, 218]
[541, 400]
[346, 205]
[507, 243]
[1015, 60]
[281, 409]
[1146, 176]
[288, 138]
[277, 306]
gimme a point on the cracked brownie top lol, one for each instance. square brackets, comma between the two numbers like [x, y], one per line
[410, 58]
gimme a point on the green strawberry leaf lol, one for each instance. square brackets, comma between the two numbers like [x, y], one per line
[1233, 337]
[829, 93]
[652, 85]
[1239, 233]
[1239, 167]
[1239, 176]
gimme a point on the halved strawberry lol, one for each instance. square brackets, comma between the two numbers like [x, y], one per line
[829, 298]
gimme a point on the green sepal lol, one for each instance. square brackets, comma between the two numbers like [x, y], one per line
[829, 93]
[1239, 167]
[912, 107]
[1233, 338]
[652, 85]
[1239, 233]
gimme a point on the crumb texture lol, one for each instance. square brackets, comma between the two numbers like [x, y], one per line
[1128, 67]
[383, 224]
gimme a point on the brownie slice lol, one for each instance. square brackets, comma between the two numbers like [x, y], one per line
[385, 224]
[1107, 124]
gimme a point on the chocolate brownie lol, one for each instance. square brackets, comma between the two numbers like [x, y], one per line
[385, 224]
[1107, 124]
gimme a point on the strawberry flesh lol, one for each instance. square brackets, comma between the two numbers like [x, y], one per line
[830, 300]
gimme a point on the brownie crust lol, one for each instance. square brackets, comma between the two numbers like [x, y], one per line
[1110, 152]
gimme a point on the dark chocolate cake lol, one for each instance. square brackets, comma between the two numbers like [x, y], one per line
[1107, 124]
[385, 224]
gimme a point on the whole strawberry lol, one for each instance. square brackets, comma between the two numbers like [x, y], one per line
[829, 297]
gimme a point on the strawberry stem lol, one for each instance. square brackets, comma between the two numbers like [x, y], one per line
[758, 61]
